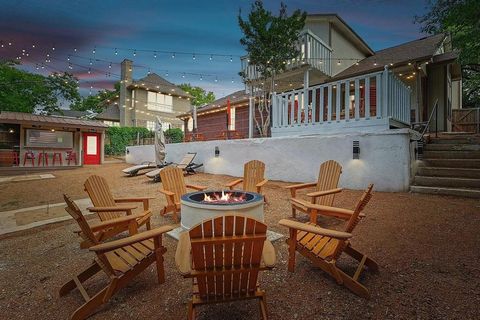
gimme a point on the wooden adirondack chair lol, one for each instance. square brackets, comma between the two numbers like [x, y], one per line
[324, 246]
[109, 208]
[325, 189]
[224, 256]
[253, 177]
[173, 188]
[120, 260]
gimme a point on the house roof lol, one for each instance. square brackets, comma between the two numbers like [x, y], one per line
[235, 98]
[154, 82]
[110, 113]
[70, 113]
[343, 27]
[417, 50]
[20, 117]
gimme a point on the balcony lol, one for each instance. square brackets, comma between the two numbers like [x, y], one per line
[370, 102]
[313, 53]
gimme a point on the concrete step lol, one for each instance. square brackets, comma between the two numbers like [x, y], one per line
[448, 182]
[468, 193]
[451, 163]
[451, 147]
[455, 140]
[448, 172]
[451, 154]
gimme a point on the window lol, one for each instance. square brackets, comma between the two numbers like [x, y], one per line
[231, 121]
[159, 102]
[49, 138]
[150, 125]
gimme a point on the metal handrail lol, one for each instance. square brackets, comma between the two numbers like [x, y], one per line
[427, 126]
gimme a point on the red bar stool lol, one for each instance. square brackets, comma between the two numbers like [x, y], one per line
[55, 156]
[42, 155]
[71, 155]
[15, 158]
[29, 155]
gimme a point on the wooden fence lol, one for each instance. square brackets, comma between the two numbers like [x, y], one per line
[466, 120]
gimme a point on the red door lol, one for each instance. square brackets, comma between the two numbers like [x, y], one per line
[91, 148]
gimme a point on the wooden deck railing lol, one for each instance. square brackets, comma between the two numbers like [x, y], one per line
[373, 96]
[313, 52]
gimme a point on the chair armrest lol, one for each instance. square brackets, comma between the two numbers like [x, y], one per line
[261, 183]
[269, 257]
[233, 183]
[340, 213]
[135, 199]
[183, 258]
[315, 229]
[199, 188]
[167, 193]
[112, 245]
[324, 192]
[113, 222]
[301, 185]
[116, 208]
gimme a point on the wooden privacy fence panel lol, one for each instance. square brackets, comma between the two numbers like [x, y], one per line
[466, 120]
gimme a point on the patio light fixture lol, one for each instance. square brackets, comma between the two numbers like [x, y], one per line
[356, 149]
[217, 152]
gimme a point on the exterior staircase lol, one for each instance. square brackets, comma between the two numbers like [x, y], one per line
[450, 166]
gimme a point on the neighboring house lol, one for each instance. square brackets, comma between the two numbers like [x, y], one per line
[338, 83]
[212, 118]
[141, 101]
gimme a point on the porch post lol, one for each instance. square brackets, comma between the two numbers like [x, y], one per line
[385, 90]
[306, 84]
[251, 105]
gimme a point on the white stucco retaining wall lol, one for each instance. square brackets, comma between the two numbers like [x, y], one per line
[385, 157]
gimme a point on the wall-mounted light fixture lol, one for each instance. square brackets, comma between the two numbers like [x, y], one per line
[356, 149]
[217, 152]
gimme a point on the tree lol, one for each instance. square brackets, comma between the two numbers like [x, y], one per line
[270, 41]
[200, 96]
[97, 102]
[174, 135]
[22, 91]
[459, 18]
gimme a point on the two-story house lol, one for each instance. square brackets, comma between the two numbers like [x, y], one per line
[141, 101]
[338, 83]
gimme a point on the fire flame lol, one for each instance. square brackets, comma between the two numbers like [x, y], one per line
[224, 197]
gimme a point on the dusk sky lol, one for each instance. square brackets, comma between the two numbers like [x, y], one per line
[207, 28]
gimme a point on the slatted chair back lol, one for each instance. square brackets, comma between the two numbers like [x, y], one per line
[99, 192]
[253, 173]
[355, 218]
[173, 181]
[187, 159]
[76, 213]
[226, 254]
[328, 178]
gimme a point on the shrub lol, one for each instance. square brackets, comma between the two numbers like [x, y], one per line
[174, 135]
[117, 138]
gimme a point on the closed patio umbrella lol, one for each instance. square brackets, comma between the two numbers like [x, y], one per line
[159, 143]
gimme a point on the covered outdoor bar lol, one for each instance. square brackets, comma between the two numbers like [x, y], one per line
[28, 140]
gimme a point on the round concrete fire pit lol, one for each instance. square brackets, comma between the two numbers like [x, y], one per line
[202, 205]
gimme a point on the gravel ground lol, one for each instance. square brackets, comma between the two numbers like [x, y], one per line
[426, 246]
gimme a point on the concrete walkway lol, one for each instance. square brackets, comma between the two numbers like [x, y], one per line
[26, 218]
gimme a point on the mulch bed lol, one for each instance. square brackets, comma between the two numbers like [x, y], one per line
[427, 248]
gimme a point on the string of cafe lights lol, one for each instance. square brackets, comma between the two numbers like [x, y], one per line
[108, 73]
[155, 53]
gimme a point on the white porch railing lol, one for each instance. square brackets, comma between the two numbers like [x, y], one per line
[313, 52]
[372, 97]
